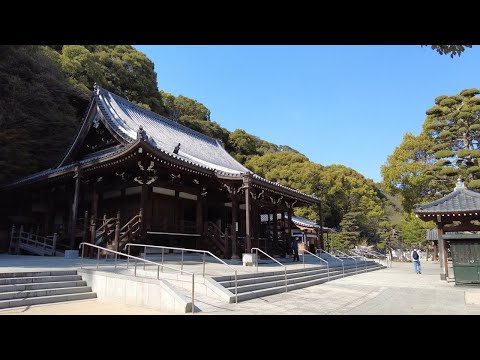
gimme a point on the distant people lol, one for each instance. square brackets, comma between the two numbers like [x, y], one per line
[415, 255]
[295, 249]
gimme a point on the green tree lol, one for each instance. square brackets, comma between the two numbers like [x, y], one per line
[37, 118]
[453, 124]
[119, 68]
[425, 167]
[453, 50]
[405, 172]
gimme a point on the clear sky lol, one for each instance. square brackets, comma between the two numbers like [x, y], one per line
[345, 105]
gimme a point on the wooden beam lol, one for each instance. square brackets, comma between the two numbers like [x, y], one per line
[248, 230]
[441, 244]
[461, 227]
[76, 197]
[234, 226]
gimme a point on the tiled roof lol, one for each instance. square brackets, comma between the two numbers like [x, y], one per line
[297, 220]
[461, 199]
[125, 118]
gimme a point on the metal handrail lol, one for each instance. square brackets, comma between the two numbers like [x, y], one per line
[278, 262]
[326, 252]
[318, 257]
[82, 244]
[360, 255]
[351, 257]
[204, 252]
[378, 256]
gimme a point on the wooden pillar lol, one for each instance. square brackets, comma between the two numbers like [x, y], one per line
[234, 226]
[321, 244]
[199, 214]
[435, 251]
[248, 228]
[289, 229]
[145, 206]
[94, 203]
[441, 245]
[445, 258]
[253, 204]
[76, 197]
[275, 231]
[117, 232]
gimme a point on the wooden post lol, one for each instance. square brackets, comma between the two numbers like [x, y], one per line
[234, 226]
[146, 211]
[321, 244]
[441, 245]
[54, 244]
[284, 235]
[76, 197]
[85, 227]
[445, 258]
[248, 230]
[275, 231]
[117, 232]
[12, 235]
[199, 214]
[93, 233]
[288, 239]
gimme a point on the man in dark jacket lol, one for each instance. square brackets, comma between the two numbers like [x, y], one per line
[295, 249]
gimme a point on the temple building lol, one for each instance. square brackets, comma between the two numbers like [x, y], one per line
[131, 175]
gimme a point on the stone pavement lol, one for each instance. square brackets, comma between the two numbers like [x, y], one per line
[82, 307]
[394, 291]
[391, 291]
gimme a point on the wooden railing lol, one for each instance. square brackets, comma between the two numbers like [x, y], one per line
[215, 235]
[36, 244]
[128, 232]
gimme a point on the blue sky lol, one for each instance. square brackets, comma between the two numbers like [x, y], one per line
[345, 105]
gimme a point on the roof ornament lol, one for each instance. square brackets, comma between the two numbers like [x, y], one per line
[141, 134]
[460, 185]
[175, 151]
[96, 88]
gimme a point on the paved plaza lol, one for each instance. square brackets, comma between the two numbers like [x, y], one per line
[395, 290]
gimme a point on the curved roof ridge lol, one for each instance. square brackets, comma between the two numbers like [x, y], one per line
[158, 116]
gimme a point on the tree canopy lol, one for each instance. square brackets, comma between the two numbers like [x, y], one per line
[452, 50]
[45, 90]
[427, 166]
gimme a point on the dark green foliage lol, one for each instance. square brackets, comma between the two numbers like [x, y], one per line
[451, 50]
[180, 106]
[37, 116]
[119, 68]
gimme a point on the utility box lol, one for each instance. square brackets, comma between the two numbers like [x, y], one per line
[465, 250]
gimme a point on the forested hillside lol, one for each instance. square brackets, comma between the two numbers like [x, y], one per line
[44, 91]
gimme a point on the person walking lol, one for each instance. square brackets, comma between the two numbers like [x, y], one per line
[415, 255]
[295, 249]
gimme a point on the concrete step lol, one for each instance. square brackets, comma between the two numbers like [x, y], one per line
[38, 279]
[260, 289]
[44, 292]
[4, 304]
[279, 271]
[268, 278]
[42, 285]
[37, 273]
[273, 281]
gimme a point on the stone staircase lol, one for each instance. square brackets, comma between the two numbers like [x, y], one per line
[261, 284]
[42, 287]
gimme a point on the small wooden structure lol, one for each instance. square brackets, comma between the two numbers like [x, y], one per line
[131, 175]
[457, 213]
